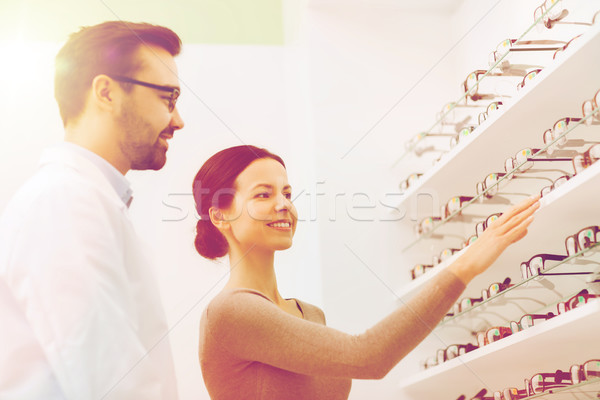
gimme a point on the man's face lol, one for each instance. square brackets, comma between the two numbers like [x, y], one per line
[144, 119]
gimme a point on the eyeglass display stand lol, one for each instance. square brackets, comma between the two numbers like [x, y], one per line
[567, 339]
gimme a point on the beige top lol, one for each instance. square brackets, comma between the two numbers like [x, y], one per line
[251, 349]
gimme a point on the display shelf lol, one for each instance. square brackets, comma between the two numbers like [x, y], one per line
[473, 157]
[570, 338]
[546, 234]
[510, 178]
[589, 389]
[533, 295]
[585, 390]
[462, 98]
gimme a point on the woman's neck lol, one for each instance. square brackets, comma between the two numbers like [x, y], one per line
[254, 269]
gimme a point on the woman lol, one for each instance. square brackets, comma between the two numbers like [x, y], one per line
[254, 344]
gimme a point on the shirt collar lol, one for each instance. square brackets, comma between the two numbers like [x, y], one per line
[116, 179]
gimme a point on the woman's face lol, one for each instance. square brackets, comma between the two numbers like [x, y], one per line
[262, 214]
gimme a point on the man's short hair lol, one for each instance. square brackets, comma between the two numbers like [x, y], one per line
[107, 48]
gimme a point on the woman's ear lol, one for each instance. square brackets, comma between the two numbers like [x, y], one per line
[218, 219]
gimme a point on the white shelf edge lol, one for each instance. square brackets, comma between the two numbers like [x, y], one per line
[546, 72]
[534, 334]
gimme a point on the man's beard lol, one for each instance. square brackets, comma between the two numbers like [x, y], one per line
[142, 155]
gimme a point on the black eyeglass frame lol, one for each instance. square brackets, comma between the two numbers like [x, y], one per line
[175, 92]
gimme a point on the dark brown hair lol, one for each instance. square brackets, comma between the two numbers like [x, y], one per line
[214, 186]
[106, 48]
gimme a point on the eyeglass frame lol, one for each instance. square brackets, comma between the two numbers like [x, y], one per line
[594, 228]
[545, 257]
[567, 304]
[586, 158]
[485, 114]
[425, 267]
[517, 326]
[562, 179]
[175, 91]
[558, 376]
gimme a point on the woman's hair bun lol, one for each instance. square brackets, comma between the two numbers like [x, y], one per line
[210, 243]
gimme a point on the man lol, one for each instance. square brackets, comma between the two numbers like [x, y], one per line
[79, 306]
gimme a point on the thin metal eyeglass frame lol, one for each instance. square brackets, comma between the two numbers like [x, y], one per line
[464, 95]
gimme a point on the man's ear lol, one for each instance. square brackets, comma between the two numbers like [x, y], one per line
[105, 91]
[218, 219]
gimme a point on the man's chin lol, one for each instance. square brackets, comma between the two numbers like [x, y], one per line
[157, 162]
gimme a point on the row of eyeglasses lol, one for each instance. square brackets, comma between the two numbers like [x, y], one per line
[547, 16]
[546, 382]
[514, 167]
[553, 139]
[496, 333]
[580, 243]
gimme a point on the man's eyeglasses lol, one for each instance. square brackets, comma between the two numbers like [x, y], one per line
[174, 92]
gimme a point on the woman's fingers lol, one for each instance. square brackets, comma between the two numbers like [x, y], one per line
[516, 215]
[519, 231]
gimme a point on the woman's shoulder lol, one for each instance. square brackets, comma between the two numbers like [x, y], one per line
[312, 312]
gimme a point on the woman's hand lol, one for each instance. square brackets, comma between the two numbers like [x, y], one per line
[509, 228]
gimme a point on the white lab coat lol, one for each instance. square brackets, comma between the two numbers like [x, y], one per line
[80, 311]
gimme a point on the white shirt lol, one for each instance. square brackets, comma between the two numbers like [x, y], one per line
[79, 306]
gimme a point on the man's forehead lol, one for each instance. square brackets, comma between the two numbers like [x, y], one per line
[156, 61]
